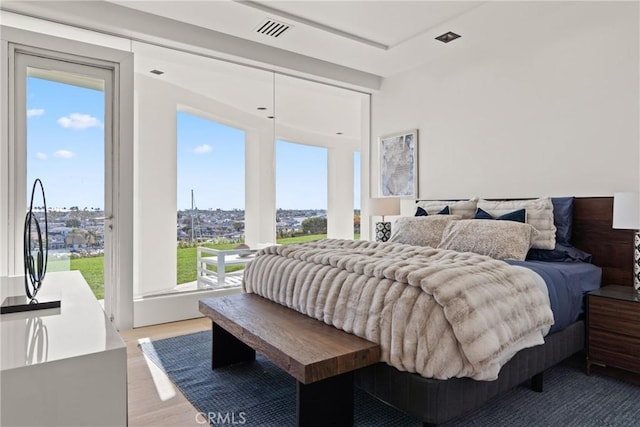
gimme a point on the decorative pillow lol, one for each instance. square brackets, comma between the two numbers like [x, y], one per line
[465, 208]
[518, 216]
[497, 239]
[563, 218]
[422, 212]
[562, 253]
[539, 215]
[420, 230]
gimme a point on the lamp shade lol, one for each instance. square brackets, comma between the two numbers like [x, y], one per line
[626, 210]
[382, 206]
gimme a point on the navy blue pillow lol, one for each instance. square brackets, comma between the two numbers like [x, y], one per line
[422, 212]
[561, 253]
[563, 218]
[482, 214]
[517, 216]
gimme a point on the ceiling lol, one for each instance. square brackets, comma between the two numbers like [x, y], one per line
[357, 43]
[350, 43]
[378, 37]
[374, 38]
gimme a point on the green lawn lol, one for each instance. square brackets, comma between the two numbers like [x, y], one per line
[93, 268]
[301, 239]
[187, 262]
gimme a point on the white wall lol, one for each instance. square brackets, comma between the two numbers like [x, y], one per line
[44, 26]
[340, 193]
[155, 187]
[546, 108]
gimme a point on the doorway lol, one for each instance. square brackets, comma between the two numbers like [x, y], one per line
[63, 134]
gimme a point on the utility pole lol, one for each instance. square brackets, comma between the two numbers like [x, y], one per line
[192, 215]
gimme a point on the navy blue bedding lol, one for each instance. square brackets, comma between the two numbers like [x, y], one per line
[567, 283]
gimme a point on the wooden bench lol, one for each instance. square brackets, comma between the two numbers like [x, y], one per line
[320, 357]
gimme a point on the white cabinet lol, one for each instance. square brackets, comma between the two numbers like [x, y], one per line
[61, 367]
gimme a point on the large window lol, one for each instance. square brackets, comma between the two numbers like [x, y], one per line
[230, 155]
[210, 184]
[301, 192]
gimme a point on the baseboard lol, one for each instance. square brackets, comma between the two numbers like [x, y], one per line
[172, 307]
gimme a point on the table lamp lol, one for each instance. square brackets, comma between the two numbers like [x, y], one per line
[626, 216]
[382, 206]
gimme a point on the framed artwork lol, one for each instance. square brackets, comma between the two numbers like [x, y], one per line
[399, 164]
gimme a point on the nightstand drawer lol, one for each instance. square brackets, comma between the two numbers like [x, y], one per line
[614, 315]
[616, 350]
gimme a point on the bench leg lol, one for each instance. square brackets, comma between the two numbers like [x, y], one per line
[537, 382]
[227, 349]
[328, 402]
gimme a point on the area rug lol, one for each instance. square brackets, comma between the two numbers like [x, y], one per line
[261, 394]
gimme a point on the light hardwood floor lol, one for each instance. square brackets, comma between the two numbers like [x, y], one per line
[153, 399]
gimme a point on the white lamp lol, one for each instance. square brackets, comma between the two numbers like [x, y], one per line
[626, 215]
[382, 206]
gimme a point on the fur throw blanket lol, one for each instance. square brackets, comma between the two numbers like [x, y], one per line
[436, 312]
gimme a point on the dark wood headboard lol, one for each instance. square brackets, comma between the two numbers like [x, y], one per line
[612, 250]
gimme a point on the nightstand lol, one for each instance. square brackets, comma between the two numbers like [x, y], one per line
[613, 325]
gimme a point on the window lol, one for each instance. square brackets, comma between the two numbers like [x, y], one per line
[301, 192]
[65, 149]
[210, 184]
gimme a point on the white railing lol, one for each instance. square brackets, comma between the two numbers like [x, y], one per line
[206, 257]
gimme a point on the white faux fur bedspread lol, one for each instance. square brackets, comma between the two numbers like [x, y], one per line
[436, 312]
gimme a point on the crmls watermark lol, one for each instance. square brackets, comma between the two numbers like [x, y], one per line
[221, 418]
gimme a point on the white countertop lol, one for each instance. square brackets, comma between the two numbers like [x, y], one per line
[79, 327]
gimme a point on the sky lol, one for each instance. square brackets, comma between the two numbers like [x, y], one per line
[65, 143]
[65, 149]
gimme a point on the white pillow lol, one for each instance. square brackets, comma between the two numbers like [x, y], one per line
[465, 208]
[420, 230]
[539, 215]
[497, 239]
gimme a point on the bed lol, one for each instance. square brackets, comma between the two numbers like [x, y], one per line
[437, 400]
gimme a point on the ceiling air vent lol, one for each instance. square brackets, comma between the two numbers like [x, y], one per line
[272, 28]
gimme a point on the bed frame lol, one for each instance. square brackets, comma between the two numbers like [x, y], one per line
[436, 401]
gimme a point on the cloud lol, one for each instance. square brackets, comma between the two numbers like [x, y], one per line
[35, 112]
[40, 155]
[202, 149]
[78, 121]
[64, 154]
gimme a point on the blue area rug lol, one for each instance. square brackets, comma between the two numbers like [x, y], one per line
[261, 394]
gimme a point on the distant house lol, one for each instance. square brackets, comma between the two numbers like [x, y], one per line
[79, 239]
[62, 231]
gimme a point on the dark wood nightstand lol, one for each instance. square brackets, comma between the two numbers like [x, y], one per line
[613, 325]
